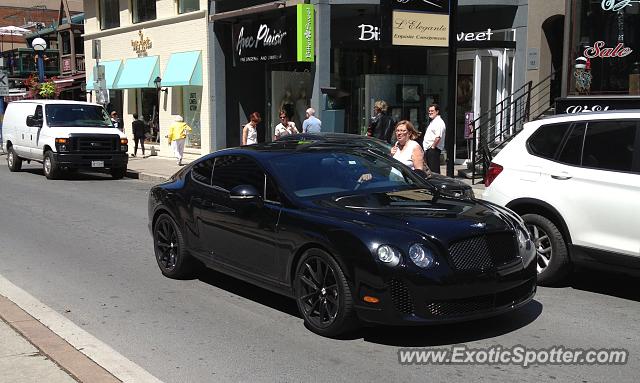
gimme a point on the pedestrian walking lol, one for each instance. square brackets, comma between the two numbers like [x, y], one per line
[116, 121]
[434, 138]
[250, 130]
[138, 127]
[406, 149]
[177, 135]
[381, 125]
[311, 124]
[285, 127]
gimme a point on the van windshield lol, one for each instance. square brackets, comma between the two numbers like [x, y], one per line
[77, 115]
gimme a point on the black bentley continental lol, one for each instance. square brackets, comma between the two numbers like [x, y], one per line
[352, 235]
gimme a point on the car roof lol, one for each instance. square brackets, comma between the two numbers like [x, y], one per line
[287, 147]
[55, 102]
[602, 115]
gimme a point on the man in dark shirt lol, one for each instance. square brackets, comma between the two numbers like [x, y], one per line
[139, 129]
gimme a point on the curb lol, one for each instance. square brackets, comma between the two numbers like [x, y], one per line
[134, 174]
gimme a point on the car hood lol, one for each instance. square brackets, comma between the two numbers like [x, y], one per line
[423, 212]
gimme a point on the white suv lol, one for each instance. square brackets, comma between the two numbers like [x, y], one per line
[575, 180]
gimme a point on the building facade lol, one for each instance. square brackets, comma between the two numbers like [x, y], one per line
[155, 60]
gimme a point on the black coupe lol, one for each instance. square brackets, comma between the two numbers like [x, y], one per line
[350, 234]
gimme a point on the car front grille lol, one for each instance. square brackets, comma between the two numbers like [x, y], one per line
[102, 143]
[483, 252]
[401, 297]
[460, 307]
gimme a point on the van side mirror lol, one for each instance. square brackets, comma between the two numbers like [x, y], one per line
[32, 121]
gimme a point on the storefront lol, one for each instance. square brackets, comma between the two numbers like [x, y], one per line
[158, 74]
[353, 66]
[601, 69]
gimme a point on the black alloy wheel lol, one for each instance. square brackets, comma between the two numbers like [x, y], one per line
[13, 161]
[323, 295]
[171, 255]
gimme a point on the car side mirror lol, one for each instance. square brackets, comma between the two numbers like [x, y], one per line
[244, 193]
[32, 121]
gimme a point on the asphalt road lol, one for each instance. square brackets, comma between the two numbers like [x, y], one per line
[82, 247]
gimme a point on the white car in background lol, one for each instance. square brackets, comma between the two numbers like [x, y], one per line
[575, 180]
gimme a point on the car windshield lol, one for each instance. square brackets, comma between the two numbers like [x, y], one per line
[77, 115]
[315, 173]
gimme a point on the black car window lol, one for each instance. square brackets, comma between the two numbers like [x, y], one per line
[232, 171]
[201, 171]
[609, 145]
[572, 150]
[271, 191]
[545, 142]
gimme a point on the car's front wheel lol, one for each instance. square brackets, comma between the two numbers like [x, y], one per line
[172, 256]
[13, 161]
[50, 166]
[551, 248]
[323, 294]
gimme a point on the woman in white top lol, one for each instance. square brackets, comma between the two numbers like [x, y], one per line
[406, 150]
[250, 131]
[285, 127]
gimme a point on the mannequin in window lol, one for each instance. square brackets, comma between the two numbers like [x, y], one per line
[287, 105]
[301, 107]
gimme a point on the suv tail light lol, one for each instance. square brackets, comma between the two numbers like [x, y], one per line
[492, 173]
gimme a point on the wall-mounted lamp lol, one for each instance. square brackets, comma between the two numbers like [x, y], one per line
[158, 83]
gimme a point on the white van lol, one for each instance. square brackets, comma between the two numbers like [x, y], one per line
[63, 135]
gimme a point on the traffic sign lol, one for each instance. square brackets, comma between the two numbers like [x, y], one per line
[4, 83]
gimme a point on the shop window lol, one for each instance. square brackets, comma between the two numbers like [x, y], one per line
[185, 6]
[109, 14]
[143, 10]
[604, 48]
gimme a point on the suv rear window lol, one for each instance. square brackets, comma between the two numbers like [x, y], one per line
[546, 141]
[610, 145]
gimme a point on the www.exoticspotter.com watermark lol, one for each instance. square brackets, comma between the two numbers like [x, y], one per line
[516, 355]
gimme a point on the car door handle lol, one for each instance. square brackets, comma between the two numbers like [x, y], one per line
[562, 177]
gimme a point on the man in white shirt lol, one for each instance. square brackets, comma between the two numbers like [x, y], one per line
[433, 143]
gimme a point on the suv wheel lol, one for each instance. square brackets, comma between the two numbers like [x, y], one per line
[551, 249]
[13, 161]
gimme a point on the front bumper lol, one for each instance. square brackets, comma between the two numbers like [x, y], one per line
[85, 160]
[412, 298]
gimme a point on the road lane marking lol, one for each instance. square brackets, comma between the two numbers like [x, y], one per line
[109, 359]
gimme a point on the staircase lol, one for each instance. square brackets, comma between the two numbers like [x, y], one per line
[497, 126]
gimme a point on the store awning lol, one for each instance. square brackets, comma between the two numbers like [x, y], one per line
[111, 69]
[139, 73]
[183, 69]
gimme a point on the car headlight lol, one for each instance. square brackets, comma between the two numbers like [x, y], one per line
[389, 255]
[421, 256]
[62, 144]
[526, 247]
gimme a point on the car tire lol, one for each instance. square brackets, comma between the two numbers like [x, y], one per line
[13, 161]
[118, 173]
[173, 259]
[50, 166]
[551, 248]
[323, 294]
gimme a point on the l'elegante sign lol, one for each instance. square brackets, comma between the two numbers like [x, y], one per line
[420, 29]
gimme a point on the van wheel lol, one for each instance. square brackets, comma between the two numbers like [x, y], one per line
[50, 166]
[551, 248]
[13, 161]
[118, 173]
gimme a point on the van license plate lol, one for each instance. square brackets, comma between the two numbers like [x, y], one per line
[97, 164]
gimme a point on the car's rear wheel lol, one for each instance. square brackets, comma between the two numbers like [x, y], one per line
[551, 248]
[172, 257]
[13, 161]
[323, 294]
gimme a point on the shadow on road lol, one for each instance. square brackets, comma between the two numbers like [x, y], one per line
[607, 283]
[249, 291]
[73, 175]
[413, 336]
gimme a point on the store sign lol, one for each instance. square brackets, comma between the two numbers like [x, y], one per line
[305, 33]
[475, 36]
[594, 104]
[616, 5]
[265, 41]
[368, 32]
[420, 29]
[599, 51]
[141, 45]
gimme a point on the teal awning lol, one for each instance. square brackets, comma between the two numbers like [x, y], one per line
[111, 69]
[183, 69]
[139, 73]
